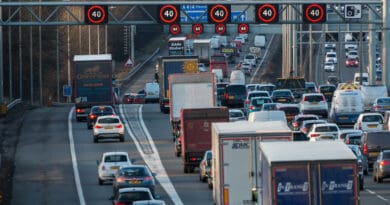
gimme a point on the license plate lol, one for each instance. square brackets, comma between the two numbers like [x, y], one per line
[343, 118]
[108, 128]
[387, 107]
[114, 167]
[282, 100]
[327, 93]
[372, 126]
[373, 154]
[166, 105]
[231, 97]
[134, 182]
[314, 103]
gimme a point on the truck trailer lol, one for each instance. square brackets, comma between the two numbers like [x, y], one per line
[235, 147]
[308, 173]
[92, 82]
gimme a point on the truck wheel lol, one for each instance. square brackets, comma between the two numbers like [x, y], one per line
[95, 139]
[100, 181]
[121, 138]
[185, 169]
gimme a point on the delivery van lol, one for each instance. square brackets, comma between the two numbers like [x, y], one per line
[152, 92]
[259, 41]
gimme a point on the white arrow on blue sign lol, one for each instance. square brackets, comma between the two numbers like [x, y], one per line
[238, 16]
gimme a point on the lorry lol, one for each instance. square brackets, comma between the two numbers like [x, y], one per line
[219, 61]
[307, 173]
[189, 90]
[92, 82]
[201, 48]
[235, 155]
[297, 85]
[347, 104]
[195, 133]
[169, 65]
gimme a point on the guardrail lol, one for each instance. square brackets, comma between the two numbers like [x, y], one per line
[13, 103]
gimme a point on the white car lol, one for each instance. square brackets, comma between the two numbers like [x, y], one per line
[330, 46]
[109, 165]
[314, 103]
[131, 195]
[331, 56]
[326, 131]
[352, 54]
[251, 59]
[109, 126]
[236, 115]
[329, 66]
[369, 122]
[240, 38]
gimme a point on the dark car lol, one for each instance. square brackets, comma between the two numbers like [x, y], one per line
[134, 176]
[360, 161]
[378, 75]
[97, 111]
[282, 96]
[221, 95]
[164, 105]
[311, 87]
[327, 90]
[290, 110]
[298, 119]
[333, 80]
[139, 99]
[306, 125]
[381, 168]
[352, 62]
[373, 142]
[235, 96]
[354, 138]
[300, 136]
[127, 98]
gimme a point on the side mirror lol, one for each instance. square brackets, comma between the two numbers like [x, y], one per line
[97, 162]
[157, 197]
[154, 174]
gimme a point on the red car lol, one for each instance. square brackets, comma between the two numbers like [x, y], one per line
[133, 98]
[354, 62]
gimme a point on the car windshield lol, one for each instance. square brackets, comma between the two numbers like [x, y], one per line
[281, 93]
[134, 196]
[372, 118]
[313, 98]
[331, 55]
[133, 172]
[249, 57]
[115, 158]
[108, 120]
[328, 63]
[384, 100]
[327, 88]
[235, 114]
[326, 129]
[290, 110]
[386, 155]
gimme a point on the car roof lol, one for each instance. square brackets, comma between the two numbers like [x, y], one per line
[108, 116]
[115, 153]
[370, 113]
[305, 115]
[350, 131]
[235, 110]
[312, 94]
[288, 105]
[131, 189]
[326, 85]
[257, 91]
[325, 124]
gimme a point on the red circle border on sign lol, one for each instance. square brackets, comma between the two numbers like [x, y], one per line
[272, 7]
[171, 29]
[308, 16]
[96, 21]
[212, 11]
[162, 16]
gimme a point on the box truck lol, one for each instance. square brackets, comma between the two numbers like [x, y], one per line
[307, 173]
[195, 133]
[235, 156]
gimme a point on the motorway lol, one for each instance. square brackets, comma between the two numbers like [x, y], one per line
[56, 157]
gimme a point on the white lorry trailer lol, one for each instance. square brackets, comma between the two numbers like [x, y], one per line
[235, 147]
[201, 48]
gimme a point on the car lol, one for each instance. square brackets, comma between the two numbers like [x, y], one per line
[351, 62]
[298, 119]
[381, 105]
[353, 138]
[251, 59]
[331, 56]
[369, 122]
[324, 131]
[204, 166]
[314, 103]
[110, 163]
[311, 87]
[307, 124]
[256, 103]
[282, 96]
[378, 75]
[97, 111]
[333, 80]
[381, 169]
[269, 106]
[235, 96]
[345, 132]
[164, 105]
[252, 94]
[149, 202]
[127, 196]
[139, 99]
[109, 126]
[221, 96]
[373, 142]
[352, 54]
[290, 110]
[329, 66]
[127, 98]
[202, 67]
[330, 46]
[362, 164]
[299, 136]
[135, 175]
[236, 115]
[266, 87]
[327, 90]
[246, 68]
[240, 38]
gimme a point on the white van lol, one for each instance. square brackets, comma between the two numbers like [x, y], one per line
[237, 77]
[259, 41]
[152, 92]
[266, 116]
[347, 104]
[356, 78]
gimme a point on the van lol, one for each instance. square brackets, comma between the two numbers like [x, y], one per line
[237, 77]
[218, 73]
[356, 78]
[265, 116]
[373, 142]
[235, 95]
[259, 41]
[347, 104]
[152, 92]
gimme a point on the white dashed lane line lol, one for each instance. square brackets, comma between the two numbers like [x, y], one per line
[377, 195]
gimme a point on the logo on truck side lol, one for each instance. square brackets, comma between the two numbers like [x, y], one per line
[337, 187]
[240, 145]
[290, 187]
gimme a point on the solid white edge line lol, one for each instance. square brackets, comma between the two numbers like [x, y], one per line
[74, 159]
[167, 185]
[262, 59]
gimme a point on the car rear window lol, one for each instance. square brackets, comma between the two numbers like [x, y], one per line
[281, 93]
[386, 155]
[290, 110]
[306, 118]
[378, 138]
[260, 101]
[235, 114]
[326, 129]
[372, 118]
[115, 158]
[108, 120]
[249, 57]
[313, 98]
[134, 172]
[134, 196]
[236, 90]
[257, 95]
[384, 100]
[327, 89]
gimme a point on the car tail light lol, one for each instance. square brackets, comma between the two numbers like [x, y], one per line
[314, 135]
[192, 158]
[251, 107]
[304, 98]
[119, 126]
[92, 116]
[119, 203]
[148, 178]
[78, 110]
[226, 96]
[120, 179]
[365, 149]
[360, 166]
[304, 130]
[295, 124]
[377, 107]
[383, 163]
[98, 126]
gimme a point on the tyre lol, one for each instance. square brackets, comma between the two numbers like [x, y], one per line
[100, 181]
[380, 179]
[95, 139]
[185, 169]
[89, 126]
[121, 138]
[78, 119]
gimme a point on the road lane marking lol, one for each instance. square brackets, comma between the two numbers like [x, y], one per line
[152, 159]
[262, 59]
[74, 159]
[377, 195]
